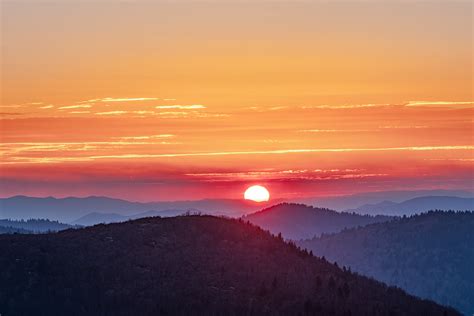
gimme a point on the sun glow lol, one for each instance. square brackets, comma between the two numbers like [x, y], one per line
[257, 193]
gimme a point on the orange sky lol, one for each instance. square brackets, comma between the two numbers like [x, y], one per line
[198, 99]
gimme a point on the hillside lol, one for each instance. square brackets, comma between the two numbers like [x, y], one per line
[184, 265]
[299, 221]
[430, 255]
[31, 226]
[417, 205]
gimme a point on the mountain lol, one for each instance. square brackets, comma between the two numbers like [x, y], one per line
[429, 255]
[99, 218]
[345, 202]
[13, 230]
[417, 205]
[106, 218]
[69, 209]
[32, 226]
[199, 265]
[299, 221]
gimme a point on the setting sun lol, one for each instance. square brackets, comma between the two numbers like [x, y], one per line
[257, 193]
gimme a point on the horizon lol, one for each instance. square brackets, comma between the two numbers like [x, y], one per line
[417, 193]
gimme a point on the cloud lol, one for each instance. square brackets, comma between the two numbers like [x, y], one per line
[439, 103]
[17, 153]
[403, 126]
[143, 112]
[12, 106]
[15, 148]
[120, 100]
[345, 106]
[47, 106]
[334, 130]
[146, 137]
[285, 151]
[451, 159]
[287, 175]
[378, 129]
[181, 107]
[174, 113]
[82, 106]
[111, 113]
[267, 108]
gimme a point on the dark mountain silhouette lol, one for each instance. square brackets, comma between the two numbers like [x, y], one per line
[32, 226]
[345, 202]
[69, 209]
[188, 265]
[417, 205]
[429, 255]
[299, 221]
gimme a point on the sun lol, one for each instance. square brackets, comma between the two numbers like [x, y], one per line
[257, 193]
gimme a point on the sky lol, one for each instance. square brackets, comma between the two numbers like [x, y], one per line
[179, 100]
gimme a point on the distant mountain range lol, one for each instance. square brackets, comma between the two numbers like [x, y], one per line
[188, 265]
[31, 226]
[429, 255]
[73, 209]
[67, 210]
[106, 218]
[299, 221]
[416, 205]
[345, 202]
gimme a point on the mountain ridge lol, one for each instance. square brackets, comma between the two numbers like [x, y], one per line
[416, 205]
[299, 221]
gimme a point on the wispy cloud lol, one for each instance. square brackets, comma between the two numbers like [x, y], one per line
[345, 106]
[288, 175]
[182, 107]
[159, 136]
[335, 130]
[377, 129]
[451, 159]
[50, 106]
[439, 103]
[111, 113]
[12, 106]
[108, 99]
[267, 108]
[286, 151]
[143, 112]
[174, 113]
[403, 126]
[82, 106]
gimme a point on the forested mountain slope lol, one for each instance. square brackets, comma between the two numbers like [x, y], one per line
[429, 255]
[184, 265]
